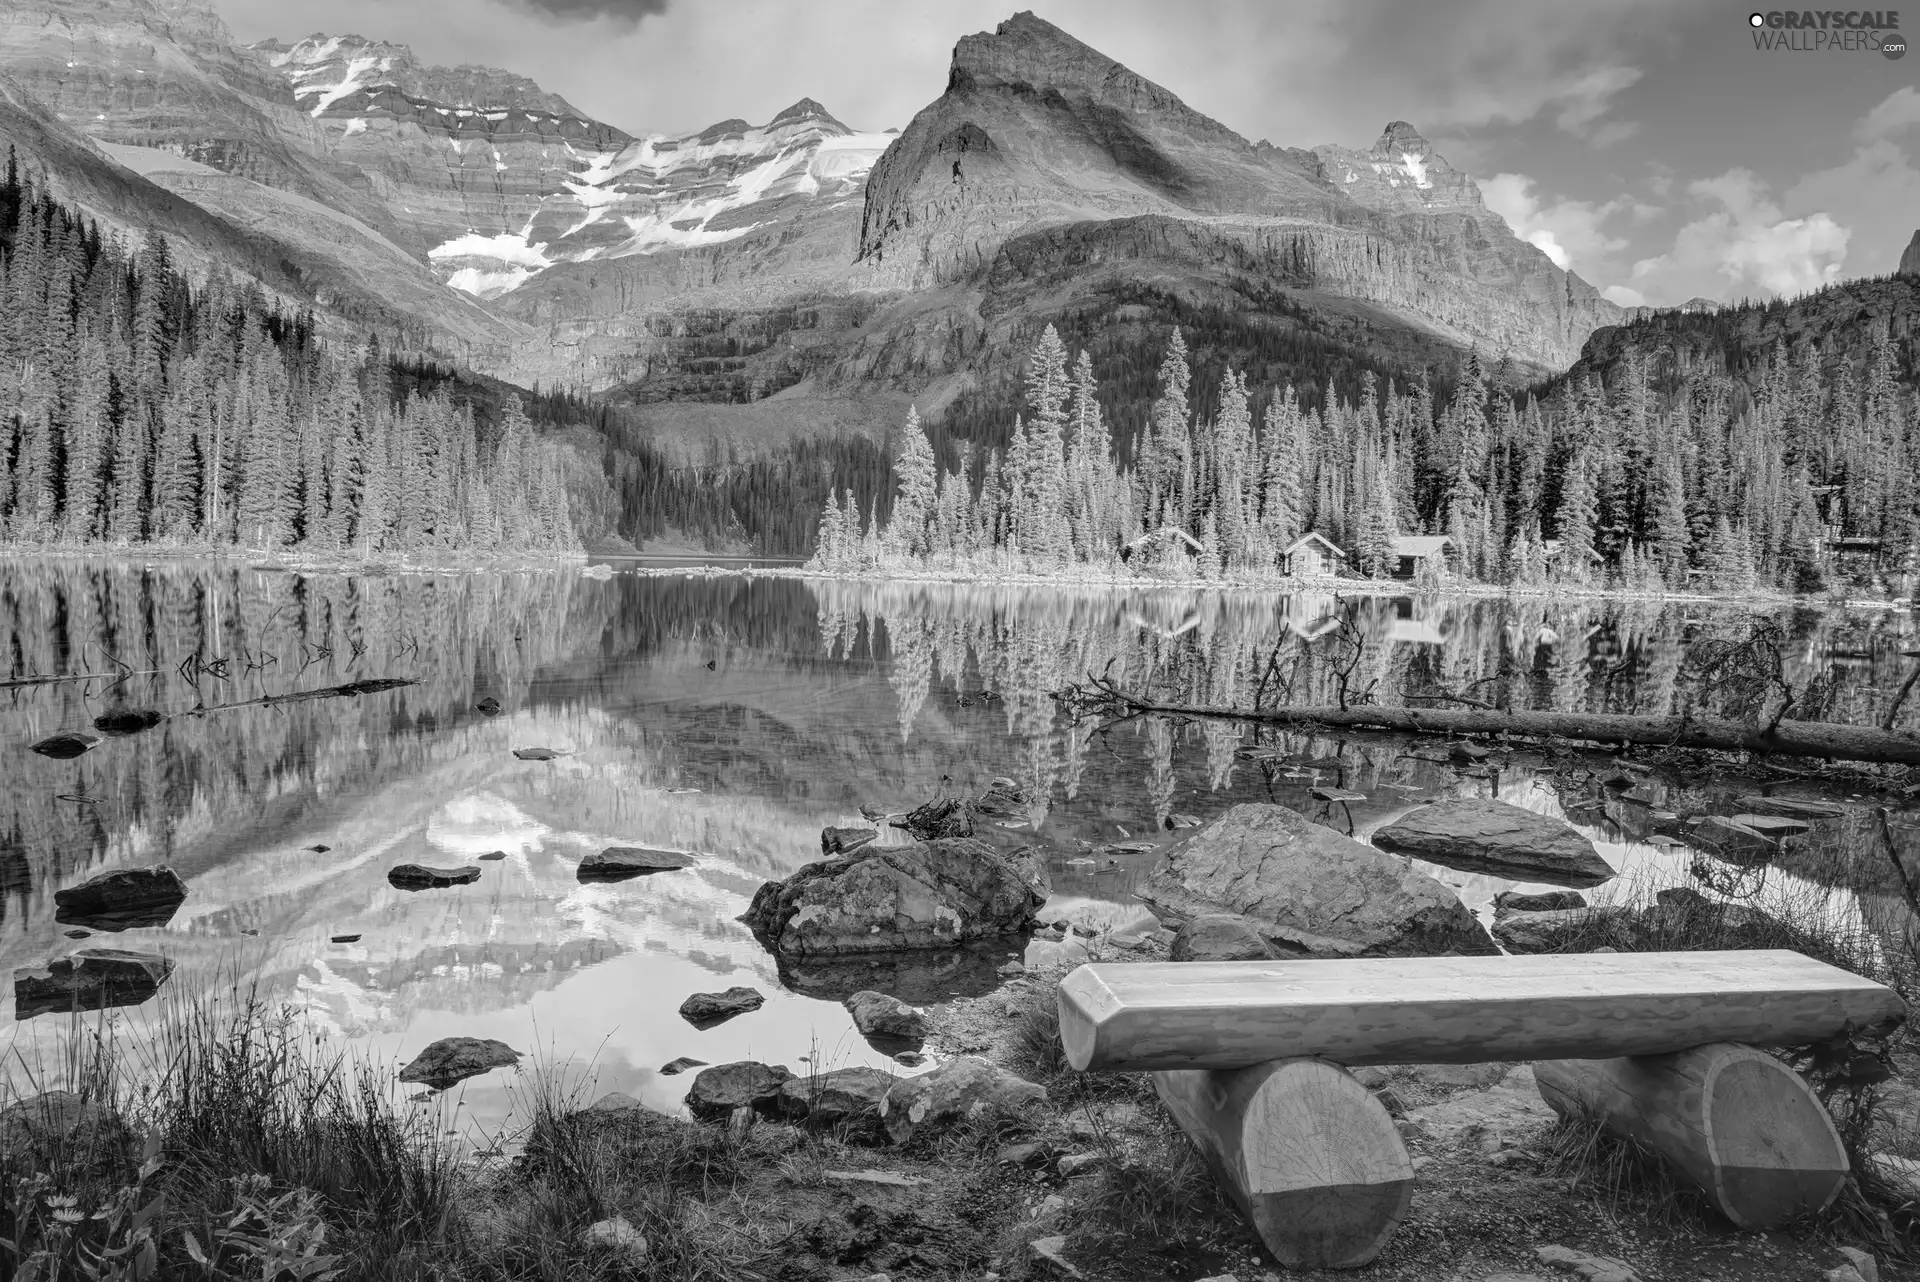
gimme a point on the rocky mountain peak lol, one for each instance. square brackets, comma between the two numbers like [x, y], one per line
[1910, 260]
[807, 109]
[1027, 53]
[1402, 171]
[1399, 136]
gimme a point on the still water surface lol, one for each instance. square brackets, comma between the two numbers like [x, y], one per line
[735, 717]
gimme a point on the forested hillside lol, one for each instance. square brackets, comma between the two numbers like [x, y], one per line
[1789, 464]
[135, 407]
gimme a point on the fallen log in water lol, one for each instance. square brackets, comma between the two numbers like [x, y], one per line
[1786, 738]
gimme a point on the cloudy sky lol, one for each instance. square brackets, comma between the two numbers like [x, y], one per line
[1649, 146]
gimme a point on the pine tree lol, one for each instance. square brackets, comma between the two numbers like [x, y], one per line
[913, 505]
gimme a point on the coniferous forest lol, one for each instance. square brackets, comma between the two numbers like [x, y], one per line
[136, 408]
[1793, 470]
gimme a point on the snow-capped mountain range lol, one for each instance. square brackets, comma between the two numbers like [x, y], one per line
[468, 211]
[542, 183]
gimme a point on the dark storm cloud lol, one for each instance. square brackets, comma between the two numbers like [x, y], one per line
[626, 12]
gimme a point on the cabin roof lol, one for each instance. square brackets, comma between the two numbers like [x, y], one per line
[1314, 536]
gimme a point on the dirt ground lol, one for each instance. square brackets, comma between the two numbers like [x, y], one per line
[1496, 1178]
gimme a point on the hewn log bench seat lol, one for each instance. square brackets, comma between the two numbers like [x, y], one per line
[1251, 1058]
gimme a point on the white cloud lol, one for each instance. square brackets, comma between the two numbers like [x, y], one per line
[1589, 95]
[1567, 231]
[1624, 296]
[1744, 245]
[1897, 110]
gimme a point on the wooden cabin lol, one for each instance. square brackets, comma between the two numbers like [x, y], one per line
[1312, 556]
[1153, 540]
[1415, 552]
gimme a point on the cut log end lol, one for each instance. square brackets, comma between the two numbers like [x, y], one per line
[1313, 1159]
[1738, 1122]
[1776, 1152]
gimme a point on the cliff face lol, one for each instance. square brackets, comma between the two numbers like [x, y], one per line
[168, 75]
[449, 151]
[1910, 258]
[489, 217]
[1037, 130]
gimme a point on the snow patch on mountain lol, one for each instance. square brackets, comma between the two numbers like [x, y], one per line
[664, 193]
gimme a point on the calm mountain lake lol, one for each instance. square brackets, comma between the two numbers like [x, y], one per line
[733, 718]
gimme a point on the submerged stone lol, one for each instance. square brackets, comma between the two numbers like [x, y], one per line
[91, 979]
[122, 900]
[454, 1059]
[618, 863]
[66, 745]
[420, 877]
[704, 1010]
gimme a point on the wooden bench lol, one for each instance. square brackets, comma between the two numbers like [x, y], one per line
[1251, 1058]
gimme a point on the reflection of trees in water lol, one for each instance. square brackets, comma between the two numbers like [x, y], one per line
[1216, 648]
[212, 779]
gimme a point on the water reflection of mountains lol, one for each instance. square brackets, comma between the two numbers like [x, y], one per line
[822, 697]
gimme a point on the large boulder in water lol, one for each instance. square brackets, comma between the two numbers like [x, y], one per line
[91, 979]
[454, 1059]
[1485, 836]
[1309, 890]
[716, 1092]
[121, 899]
[934, 895]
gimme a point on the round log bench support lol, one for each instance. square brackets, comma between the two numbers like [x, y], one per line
[1313, 1159]
[1737, 1121]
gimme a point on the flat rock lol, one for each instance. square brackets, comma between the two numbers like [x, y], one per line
[1485, 836]
[122, 899]
[617, 863]
[929, 896]
[878, 1015]
[1336, 794]
[90, 979]
[842, 1096]
[1794, 807]
[493, 856]
[67, 745]
[1512, 901]
[1309, 890]
[1510, 1107]
[958, 1089]
[488, 707]
[704, 1010]
[421, 877]
[1562, 929]
[1220, 937]
[538, 754]
[454, 1059]
[1775, 826]
[1589, 1268]
[716, 1092]
[673, 1067]
[838, 841]
[1733, 842]
[343, 939]
[1053, 1251]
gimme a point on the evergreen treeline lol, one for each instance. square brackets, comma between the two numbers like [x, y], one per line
[135, 408]
[1583, 480]
[767, 504]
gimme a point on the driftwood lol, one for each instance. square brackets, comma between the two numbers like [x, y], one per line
[1786, 738]
[351, 689]
[16, 683]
